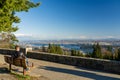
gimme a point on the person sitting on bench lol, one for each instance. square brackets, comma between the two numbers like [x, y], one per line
[19, 54]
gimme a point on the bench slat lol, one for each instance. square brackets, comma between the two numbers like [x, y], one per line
[16, 62]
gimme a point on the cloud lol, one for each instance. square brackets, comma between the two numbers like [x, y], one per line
[76, 37]
[58, 37]
[110, 37]
[103, 37]
[22, 35]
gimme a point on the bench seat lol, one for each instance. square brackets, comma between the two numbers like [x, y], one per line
[17, 62]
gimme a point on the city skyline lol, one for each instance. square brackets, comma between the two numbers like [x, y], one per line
[71, 19]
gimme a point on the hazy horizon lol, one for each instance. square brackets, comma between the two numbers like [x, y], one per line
[31, 39]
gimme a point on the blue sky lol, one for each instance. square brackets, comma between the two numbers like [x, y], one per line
[71, 19]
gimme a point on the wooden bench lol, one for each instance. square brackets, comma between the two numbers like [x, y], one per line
[17, 62]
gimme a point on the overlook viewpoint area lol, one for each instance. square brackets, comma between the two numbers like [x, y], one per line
[69, 39]
[47, 67]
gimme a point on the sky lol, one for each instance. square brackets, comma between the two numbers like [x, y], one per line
[71, 19]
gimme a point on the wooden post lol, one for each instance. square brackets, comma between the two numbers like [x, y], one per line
[32, 65]
[24, 71]
[10, 67]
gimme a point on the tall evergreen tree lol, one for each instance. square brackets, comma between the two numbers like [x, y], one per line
[73, 52]
[49, 47]
[109, 48]
[52, 49]
[59, 49]
[115, 54]
[96, 51]
[118, 57]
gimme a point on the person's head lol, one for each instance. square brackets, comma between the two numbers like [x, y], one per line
[17, 48]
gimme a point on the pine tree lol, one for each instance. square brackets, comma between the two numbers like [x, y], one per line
[96, 51]
[109, 48]
[118, 57]
[80, 54]
[59, 50]
[52, 48]
[49, 47]
[115, 54]
[8, 9]
[73, 52]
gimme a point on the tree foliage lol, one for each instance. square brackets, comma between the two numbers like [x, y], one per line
[76, 53]
[107, 55]
[96, 51]
[52, 48]
[8, 9]
[118, 55]
[109, 48]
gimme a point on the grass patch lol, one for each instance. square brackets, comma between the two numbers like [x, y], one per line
[21, 77]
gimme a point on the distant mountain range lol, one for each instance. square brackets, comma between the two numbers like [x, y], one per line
[28, 38]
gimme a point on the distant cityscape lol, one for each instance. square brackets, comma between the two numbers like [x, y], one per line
[113, 42]
[84, 46]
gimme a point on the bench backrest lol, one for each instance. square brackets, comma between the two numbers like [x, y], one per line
[17, 62]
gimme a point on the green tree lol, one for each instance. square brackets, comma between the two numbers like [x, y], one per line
[76, 53]
[109, 48]
[96, 51]
[107, 55]
[88, 54]
[49, 47]
[79, 54]
[73, 52]
[52, 49]
[8, 9]
[118, 57]
[115, 55]
[59, 49]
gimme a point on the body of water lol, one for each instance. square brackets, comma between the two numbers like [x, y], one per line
[67, 46]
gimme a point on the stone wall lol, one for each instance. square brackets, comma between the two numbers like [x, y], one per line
[92, 63]
[11, 51]
[7, 51]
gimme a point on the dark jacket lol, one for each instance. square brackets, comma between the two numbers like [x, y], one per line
[18, 54]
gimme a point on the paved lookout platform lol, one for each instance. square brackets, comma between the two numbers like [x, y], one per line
[56, 71]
